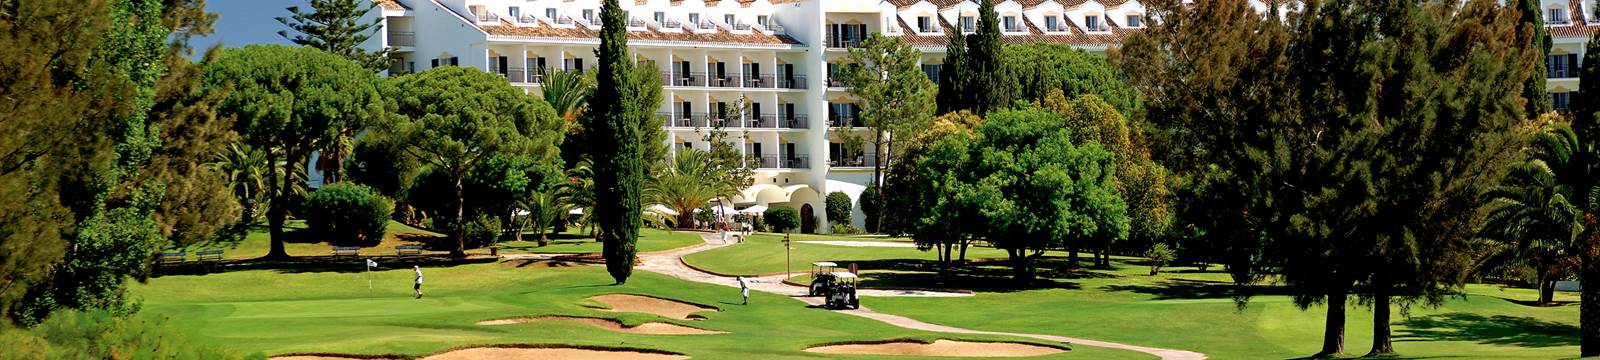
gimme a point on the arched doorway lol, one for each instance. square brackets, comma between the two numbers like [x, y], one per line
[808, 220]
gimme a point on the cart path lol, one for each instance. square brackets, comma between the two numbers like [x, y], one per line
[670, 263]
[888, 244]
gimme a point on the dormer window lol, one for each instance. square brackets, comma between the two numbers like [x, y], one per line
[761, 19]
[514, 11]
[1052, 23]
[727, 19]
[924, 24]
[550, 13]
[694, 18]
[1010, 23]
[969, 24]
[588, 14]
[1555, 16]
[1135, 21]
[661, 17]
[1092, 23]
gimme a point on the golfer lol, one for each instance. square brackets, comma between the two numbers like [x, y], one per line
[744, 290]
[418, 286]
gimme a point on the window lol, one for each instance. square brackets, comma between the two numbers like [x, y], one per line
[1555, 16]
[968, 24]
[1561, 101]
[1051, 22]
[761, 19]
[694, 18]
[1010, 23]
[588, 14]
[1135, 20]
[933, 71]
[1562, 66]
[924, 24]
[1092, 23]
[661, 17]
[727, 19]
[550, 13]
[515, 11]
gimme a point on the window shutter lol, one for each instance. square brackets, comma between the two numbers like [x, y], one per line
[433, 63]
[455, 61]
[1573, 65]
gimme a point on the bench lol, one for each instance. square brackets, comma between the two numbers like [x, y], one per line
[408, 250]
[351, 251]
[172, 258]
[209, 256]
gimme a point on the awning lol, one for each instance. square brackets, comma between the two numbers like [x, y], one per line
[662, 209]
[758, 209]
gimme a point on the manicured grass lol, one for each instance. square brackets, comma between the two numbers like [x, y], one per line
[301, 243]
[278, 312]
[1192, 311]
[764, 254]
[572, 242]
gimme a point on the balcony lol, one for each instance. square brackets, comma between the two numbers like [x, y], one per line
[635, 23]
[741, 27]
[840, 121]
[849, 41]
[488, 17]
[792, 121]
[761, 122]
[520, 76]
[671, 24]
[793, 82]
[759, 82]
[402, 38]
[705, 25]
[683, 79]
[527, 20]
[834, 82]
[563, 20]
[855, 160]
[684, 120]
[791, 161]
[724, 80]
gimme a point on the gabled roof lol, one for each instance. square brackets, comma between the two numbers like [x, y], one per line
[505, 28]
[392, 5]
[1074, 36]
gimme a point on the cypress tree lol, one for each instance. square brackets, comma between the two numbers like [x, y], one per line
[615, 147]
[953, 76]
[983, 61]
[1533, 89]
[1583, 178]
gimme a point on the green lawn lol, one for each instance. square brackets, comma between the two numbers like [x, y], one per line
[576, 242]
[764, 254]
[301, 243]
[1191, 311]
[278, 312]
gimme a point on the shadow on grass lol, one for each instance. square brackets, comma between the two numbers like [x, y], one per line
[987, 276]
[1495, 330]
[1172, 289]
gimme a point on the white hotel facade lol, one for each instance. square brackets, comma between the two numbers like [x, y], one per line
[776, 56]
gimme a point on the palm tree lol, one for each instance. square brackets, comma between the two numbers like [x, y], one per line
[332, 149]
[544, 209]
[568, 92]
[1530, 213]
[245, 168]
[578, 193]
[688, 182]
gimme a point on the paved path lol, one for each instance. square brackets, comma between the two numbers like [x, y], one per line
[670, 263]
[888, 244]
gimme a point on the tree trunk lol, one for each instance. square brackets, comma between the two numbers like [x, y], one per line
[459, 228]
[1589, 301]
[685, 217]
[947, 262]
[277, 210]
[964, 249]
[877, 176]
[1333, 332]
[1021, 267]
[1382, 341]
[515, 227]
[1072, 254]
[1541, 283]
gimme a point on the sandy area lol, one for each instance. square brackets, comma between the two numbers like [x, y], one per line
[940, 348]
[645, 304]
[493, 353]
[323, 357]
[650, 328]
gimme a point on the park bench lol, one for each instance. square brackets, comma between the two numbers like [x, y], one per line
[408, 250]
[350, 251]
[209, 256]
[172, 258]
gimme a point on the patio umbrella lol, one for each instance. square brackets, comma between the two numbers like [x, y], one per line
[758, 209]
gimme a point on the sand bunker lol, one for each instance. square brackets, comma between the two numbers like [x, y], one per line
[329, 357]
[511, 353]
[650, 328]
[645, 304]
[940, 348]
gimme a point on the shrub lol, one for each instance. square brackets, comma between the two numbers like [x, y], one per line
[1160, 255]
[98, 334]
[482, 231]
[705, 216]
[870, 207]
[846, 229]
[838, 208]
[348, 213]
[781, 219]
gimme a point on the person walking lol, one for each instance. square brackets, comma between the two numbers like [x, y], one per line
[418, 286]
[744, 290]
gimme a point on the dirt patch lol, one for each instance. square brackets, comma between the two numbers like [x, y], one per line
[515, 353]
[666, 308]
[939, 348]
[650, 328]
[332, 357]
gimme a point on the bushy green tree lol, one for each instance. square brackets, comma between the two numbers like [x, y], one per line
[338, 27]
[896, 96]
[984, 64]
[1530, 212]
[501, 185]
[1141, 181]
[871, 207]
[348, 214]
[284, 100]
[246, 170]
[1038, 69]
[781, 219]
[381, 163]
[838, 208]
[1531, 25]
[454, 118]
[930, 192]
[615, 149]
[692, 180]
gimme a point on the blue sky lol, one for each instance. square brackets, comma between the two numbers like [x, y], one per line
[244, 22]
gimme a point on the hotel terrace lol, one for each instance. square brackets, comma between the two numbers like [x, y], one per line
[777, 58]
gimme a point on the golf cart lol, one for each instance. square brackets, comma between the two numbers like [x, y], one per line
[843, 292]
[821, 277]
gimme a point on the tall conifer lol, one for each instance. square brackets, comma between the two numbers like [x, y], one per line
[615, 147]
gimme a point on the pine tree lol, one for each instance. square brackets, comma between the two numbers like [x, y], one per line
[953, 76]
[614, 145]
[1583, 176]
[335, 26]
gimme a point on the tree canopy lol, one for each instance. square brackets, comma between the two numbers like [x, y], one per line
[338, 27]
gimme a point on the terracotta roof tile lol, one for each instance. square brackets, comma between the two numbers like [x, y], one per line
[392, 5]
[1074, 36]
[579, 32]
[1580, 27]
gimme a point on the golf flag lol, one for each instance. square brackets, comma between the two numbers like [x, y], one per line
[372, 264]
